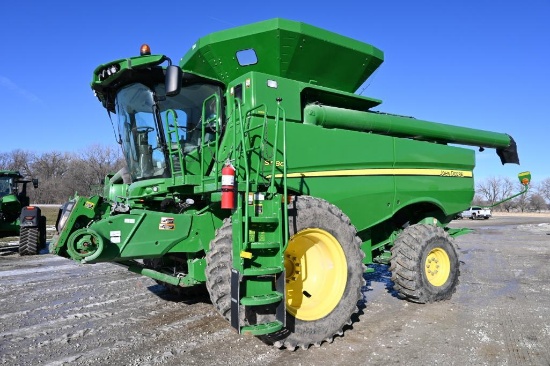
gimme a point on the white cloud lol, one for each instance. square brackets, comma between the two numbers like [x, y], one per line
[11, 86]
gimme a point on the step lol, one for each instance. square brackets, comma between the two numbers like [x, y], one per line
[264, 219]
[260, 329]
[261, 271]
[265, 245]
[266, 299]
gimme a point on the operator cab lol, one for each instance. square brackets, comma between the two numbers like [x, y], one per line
[147, 116]
[13, 184]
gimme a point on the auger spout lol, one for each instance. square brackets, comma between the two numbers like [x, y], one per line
[399, 126]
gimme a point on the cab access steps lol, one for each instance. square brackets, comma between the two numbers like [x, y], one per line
[260, 235]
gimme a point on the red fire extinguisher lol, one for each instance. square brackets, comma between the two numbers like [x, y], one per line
[228, 186]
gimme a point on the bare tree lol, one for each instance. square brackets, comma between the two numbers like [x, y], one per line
[478, 200]
[490, 189]
[51, 168]
[522, 201]
[52, 165]
[537, 202]
[61, 174]
[544, 189]
[22, 160]
[506, 190]
[88, 170]
[6, 161]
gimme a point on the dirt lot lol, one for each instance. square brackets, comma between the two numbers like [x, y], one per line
[54, 312]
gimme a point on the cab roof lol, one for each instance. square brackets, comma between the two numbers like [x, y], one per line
[10, 173]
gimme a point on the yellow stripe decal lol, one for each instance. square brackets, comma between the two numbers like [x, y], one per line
[370, 172]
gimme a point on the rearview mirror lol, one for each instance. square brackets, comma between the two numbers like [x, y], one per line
[172, 80]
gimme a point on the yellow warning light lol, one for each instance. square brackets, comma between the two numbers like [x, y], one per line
[145, 50]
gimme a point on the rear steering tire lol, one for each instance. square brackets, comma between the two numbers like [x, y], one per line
[29, 241]
[424, 264]
[324, 274]
[33, 239]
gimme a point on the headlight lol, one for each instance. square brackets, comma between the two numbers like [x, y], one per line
[108, 71]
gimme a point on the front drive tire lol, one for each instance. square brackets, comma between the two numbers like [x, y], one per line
[424, 264]
[323, 243]
[218, 269]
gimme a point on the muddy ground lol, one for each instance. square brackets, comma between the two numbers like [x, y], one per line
[55, 312]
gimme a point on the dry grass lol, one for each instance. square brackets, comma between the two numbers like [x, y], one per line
[50, 212]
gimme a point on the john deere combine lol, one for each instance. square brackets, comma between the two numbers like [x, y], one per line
[257, 171]
[17, 217]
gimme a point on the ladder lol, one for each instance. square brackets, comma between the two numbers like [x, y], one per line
[260, 235]
[174, 148]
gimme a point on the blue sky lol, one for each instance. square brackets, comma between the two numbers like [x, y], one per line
[481, 64]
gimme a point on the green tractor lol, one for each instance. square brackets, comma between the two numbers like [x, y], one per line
[17, 217]
[257, 172]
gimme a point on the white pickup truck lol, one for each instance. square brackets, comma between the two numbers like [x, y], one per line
[476, 212]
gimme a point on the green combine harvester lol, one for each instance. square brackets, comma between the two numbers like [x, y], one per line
[254, 169]
[17, 218]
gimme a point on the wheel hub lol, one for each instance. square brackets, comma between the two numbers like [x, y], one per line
[316, 274]
[84, 244]
[292, 268]
[437, 267]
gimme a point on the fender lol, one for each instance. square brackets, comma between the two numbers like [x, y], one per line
[30, 216]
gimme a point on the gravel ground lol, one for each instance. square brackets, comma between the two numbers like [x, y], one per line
[55, 312]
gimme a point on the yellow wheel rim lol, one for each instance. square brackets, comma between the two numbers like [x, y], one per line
[438, 267]
[316, 274]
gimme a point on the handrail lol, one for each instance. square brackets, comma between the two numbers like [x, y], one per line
[272, 189]
[240, 147]
[236, 147]
[262, 140]
[205, 120]
[174, 151]
[285, 187]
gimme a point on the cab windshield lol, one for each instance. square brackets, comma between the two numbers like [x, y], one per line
[5, 186]
[141, 111]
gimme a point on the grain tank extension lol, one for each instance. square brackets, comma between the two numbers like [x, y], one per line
[254, 169]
